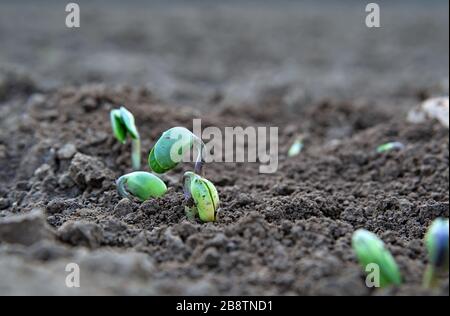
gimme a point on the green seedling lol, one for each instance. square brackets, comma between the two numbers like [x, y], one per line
[141, 185]
[296, 147]
[390, 146]
[436, 241]
[371, 250]
[170, 148]
[201, 197]
[122, 122]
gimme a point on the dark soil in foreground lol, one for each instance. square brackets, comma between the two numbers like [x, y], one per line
[286, 233]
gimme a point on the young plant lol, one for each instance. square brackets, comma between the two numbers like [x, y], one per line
[296, 147]
[201, 197]
[390, 146]
[122, 122]
[371, 250]
[436, 241]
[141, 185]
[170, 148]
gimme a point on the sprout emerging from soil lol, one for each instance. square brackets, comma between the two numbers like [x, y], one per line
[201, 197]
[142, 185]
[169, 150]
[436, 241]
[390, 146]
[371, 250]
[122, 122]
[296, 147]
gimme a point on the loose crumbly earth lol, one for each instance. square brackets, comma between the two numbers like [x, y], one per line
[287, 233]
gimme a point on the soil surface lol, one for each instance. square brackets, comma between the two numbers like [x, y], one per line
[287, 233]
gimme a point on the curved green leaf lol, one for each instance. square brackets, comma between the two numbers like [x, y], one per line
[153, 163]
[437, 243]
[206, 198]
[119, 129]
[145, 185]
[169, 149]
[370, 249]
[128, 121]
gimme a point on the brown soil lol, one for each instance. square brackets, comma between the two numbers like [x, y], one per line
[287, 233]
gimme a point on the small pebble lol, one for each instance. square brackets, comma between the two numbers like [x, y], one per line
[65, 181]
[4, 203]
[42, 171]
[66, 152]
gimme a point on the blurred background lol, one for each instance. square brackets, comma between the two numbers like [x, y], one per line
[204, 53]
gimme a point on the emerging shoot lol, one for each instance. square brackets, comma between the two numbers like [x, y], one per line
[171, 147]
[122, 122]
[141, 185]
[436, 241]
[201, 197]
[296, 147]
[390, 146]
[371, 250]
